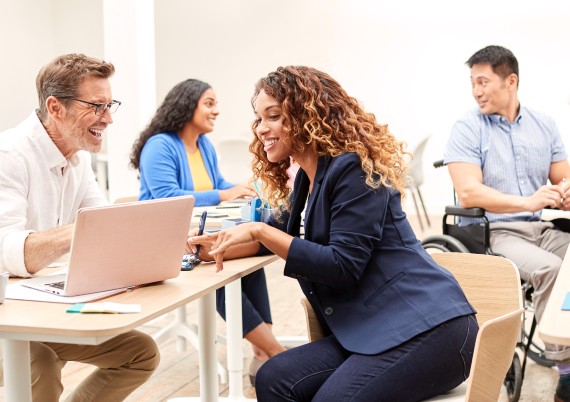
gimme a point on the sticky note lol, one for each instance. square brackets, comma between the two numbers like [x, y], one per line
[566, 304]
[106, 307]
[76, 308]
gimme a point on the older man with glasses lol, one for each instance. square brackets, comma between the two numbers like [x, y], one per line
[45, 177]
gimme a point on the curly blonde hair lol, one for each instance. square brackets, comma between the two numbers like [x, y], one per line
[319, 114]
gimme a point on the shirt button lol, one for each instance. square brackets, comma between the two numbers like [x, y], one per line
[329, 311]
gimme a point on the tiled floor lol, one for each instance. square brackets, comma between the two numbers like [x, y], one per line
[178, 371]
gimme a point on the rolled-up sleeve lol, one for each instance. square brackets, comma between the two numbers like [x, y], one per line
[13, 206]
[13, 253]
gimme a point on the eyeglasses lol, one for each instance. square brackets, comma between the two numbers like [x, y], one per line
[99, 107]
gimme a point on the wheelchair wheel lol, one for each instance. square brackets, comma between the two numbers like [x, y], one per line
[514, 379]
[443, 243]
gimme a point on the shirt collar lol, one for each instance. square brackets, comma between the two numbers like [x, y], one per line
[499, 119]
[52, 153]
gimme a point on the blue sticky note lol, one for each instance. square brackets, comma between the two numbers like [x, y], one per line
[76, 308]
[566, 304]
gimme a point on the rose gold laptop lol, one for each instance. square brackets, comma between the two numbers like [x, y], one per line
[123, 245]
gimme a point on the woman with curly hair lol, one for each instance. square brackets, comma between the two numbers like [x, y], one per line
[399, 327]
[175, 158]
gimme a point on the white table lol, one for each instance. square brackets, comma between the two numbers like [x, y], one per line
[25, 321]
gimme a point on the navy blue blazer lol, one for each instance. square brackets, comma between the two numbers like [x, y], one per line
[360, 264]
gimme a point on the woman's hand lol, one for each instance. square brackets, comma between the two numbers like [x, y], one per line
[217, 244]
[205, 248]
[239, 191]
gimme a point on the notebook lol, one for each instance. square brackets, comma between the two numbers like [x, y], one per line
[120, 246]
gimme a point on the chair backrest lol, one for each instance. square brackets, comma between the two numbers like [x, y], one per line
[314, 329]
[235, 159]
[494, 351]
[492, 284]
[416, 166]
[129, 198]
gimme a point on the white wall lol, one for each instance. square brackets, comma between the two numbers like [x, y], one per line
[129, 44]
[404, 60]
[34, 32]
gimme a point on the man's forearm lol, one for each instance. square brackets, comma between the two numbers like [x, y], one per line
[491, 200]
[43, 248]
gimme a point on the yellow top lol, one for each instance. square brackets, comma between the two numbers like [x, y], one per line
[198, 171]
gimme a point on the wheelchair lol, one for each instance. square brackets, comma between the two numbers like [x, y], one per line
[476, 239]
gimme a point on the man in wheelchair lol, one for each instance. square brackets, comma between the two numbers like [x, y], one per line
[500, 157]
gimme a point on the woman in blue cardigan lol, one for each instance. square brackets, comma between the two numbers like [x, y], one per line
[175, 158]
[399, 326]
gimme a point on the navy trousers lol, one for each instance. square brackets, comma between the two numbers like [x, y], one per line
[323, 371]
[254, 301]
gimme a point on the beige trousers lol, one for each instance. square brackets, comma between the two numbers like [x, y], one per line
[537, 249]
[123, 364]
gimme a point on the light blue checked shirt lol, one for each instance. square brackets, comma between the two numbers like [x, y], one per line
[514, 158]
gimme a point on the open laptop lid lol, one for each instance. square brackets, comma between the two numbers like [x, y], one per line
[130, 244]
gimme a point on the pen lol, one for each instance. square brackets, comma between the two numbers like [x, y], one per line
[563, 188]
[201, 228]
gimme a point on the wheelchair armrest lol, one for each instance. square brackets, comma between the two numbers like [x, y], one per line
[562, 224]
[438, 164]
[466, 212]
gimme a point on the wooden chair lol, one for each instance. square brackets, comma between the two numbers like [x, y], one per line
[128, 198]
[492, 286]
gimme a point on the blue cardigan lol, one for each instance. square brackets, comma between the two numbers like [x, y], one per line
[165, 172]
[360, 264]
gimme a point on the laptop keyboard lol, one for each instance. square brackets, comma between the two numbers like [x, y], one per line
[57, 285]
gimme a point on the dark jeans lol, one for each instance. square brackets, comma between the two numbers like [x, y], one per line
[429, 364]
[254, 301]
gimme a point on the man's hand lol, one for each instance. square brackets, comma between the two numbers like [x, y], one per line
[546, 196]
[565, 199]
[43, 248]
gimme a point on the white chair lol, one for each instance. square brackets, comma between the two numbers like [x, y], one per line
[492, 286]
[416, 173]
[235, 159]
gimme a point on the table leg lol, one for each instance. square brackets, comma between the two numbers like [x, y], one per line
[234, 348]
[184, 331]
[207, 347]
[17, 372]
[234, 340]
